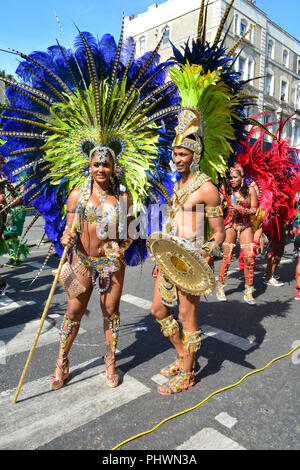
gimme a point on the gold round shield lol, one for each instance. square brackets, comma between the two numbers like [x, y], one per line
[181, 263]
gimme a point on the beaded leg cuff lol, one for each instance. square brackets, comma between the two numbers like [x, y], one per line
[169, 326]
[191, 341]
[114, 326]
[65, 333]
[225, 263]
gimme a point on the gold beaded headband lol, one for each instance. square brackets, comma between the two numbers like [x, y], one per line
[103, 152]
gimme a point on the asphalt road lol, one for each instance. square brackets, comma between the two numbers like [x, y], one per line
[260, 412]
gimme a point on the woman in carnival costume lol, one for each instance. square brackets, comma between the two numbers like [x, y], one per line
[210, 124]
[81, 125]
[238, 227]
[297, 250]
[271, 172]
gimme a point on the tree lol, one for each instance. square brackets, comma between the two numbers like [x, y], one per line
[9, 77]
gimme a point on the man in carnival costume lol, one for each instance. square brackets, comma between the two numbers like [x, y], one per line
[82, 129]
[209, 126]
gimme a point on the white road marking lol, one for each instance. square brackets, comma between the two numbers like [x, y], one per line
[159, 379]
[225, 419]
[19, 338]
[38, 265]
[138, 301]
[6, 303]
[41, 415]
[226, 337]
[208, 330]
[210, 439]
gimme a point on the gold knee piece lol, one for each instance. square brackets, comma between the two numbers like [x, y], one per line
[191, 341]
[169, 325]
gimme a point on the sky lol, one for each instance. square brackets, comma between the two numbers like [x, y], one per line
[28, 25]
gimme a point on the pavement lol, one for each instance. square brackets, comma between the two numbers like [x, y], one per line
[243, 398]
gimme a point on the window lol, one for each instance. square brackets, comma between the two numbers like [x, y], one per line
[270, 48]
[268, 84]
[236, 24]
[297, 96]
[142, 45]
[283, 90]
[250, 69]
[241, 66]
[166, 36]
[243, 27]
[298, 68]
[251, 35]
[285, 56]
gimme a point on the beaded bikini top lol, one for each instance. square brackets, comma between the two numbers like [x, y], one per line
[95, 214]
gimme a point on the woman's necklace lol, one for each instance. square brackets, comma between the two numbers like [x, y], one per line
[101, 195]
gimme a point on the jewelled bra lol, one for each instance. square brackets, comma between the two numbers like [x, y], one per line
[94, 214]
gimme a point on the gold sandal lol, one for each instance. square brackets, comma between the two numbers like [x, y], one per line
[181, 382]
[60, 374]
[173, 369]
[112, 380]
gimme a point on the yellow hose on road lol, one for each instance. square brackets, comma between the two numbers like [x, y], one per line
[203, 401]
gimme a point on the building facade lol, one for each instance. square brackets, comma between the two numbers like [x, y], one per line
[268, 52]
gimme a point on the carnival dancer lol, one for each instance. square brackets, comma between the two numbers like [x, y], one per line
[84, 135]
[296, 234]
[11, 222]
[258, 236]
[297, 250]
[193, 189]
[13, 228]
[95, 254]
[271, 171]
[238, 227]
[210, 125]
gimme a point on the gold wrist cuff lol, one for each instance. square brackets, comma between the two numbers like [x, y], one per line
[211, 249]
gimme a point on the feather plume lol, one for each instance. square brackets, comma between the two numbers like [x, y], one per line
[44, 263]
[47, 70]
[222, 24]
[93, 76]
[115, 67]
[200, 21]
[236, 45]
[36, 217]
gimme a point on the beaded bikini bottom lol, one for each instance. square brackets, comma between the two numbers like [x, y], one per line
[96, 266]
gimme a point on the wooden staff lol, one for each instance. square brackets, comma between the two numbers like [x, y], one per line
[43, 316]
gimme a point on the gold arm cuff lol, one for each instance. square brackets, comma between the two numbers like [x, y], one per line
[213, 211]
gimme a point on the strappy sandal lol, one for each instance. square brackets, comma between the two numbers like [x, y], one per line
[58, 379]
[173, 369]
[112, 380]
[181, 382]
